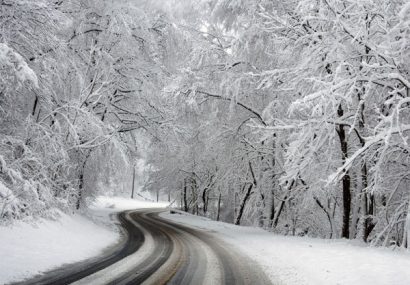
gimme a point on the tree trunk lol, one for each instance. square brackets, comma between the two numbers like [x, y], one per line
[406, 229]
[80, 188]
[282, 205]
[271, 199]
[243, 204]
[261, 210]
[327, 215]
[205, 201]
[33, 112]
[219, 206]
[368, 198]
[194, 191]
[271, 208]
[355, 211]
[346, 194]
[133, 182]
[81, 182]
[368, 206]
[184, 196]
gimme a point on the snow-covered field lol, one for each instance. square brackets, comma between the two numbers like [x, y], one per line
[28, 249]
[296, 260]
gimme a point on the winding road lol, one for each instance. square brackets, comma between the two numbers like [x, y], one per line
[158, 251]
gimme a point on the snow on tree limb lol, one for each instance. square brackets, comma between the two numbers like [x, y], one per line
[18, 66]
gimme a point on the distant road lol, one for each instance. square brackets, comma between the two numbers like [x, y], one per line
[157, 251]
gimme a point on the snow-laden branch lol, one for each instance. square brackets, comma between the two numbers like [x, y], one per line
[14, 61]
[369, 142]
[246, 107]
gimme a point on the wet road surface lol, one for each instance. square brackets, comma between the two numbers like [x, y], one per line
[157, 251]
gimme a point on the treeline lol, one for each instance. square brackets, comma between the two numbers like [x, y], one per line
[294, 116]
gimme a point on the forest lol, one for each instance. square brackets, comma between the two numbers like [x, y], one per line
[291, 115]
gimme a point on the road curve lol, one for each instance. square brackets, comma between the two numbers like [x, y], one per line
[158, 251]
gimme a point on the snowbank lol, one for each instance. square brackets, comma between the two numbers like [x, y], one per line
[27, 250]
[296, 260]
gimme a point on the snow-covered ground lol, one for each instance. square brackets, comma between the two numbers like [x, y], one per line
[296, 260]
[27, 249]
[118, 204]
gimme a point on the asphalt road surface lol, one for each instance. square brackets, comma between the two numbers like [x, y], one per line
[157, 251]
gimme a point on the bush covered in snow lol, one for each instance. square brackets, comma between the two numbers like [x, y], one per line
[32, 179]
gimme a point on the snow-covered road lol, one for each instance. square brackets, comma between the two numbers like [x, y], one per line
[159, 251]
[32, 247]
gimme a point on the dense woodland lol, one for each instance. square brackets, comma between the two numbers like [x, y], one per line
[289, 115]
